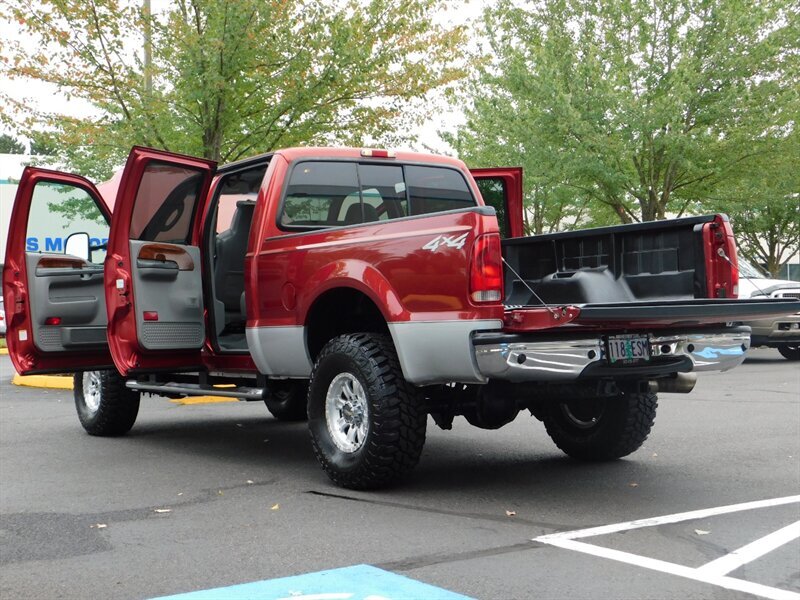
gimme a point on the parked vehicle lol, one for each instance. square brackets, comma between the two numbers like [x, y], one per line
[782, 333]
[366, 290]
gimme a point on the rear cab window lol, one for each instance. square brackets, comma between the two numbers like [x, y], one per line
[322, 194]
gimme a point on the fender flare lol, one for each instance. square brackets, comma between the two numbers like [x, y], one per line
[358, 275]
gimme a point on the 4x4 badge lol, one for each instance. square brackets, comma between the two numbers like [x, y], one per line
[446, 240]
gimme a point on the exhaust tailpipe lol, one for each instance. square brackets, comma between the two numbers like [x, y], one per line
[682, 383]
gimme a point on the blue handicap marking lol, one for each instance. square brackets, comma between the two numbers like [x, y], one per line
[710, 352]
[361, 582]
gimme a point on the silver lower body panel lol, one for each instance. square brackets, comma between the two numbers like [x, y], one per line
[570, 359]
[439, 351]
[279, 351]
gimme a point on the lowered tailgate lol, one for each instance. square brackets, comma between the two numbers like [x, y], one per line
[645, 315]
[677, 313]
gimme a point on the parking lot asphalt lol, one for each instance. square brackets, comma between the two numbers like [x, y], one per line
[213, 495]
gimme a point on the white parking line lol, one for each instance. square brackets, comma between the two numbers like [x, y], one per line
[714, 572]
[753, 550]
[676, 518]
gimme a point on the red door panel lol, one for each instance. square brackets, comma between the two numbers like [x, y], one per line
[159, 200]
[26, 355]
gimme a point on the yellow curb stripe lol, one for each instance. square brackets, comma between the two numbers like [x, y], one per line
[202, 400]
[3, 350]
[43, 381]
[65, 383]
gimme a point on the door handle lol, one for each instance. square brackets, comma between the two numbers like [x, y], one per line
[165, 265]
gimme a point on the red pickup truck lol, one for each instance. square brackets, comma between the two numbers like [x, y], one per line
[365, 290]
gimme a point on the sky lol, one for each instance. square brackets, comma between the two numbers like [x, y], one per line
[45, 95]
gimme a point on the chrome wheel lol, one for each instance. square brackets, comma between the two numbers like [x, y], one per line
[347, 412]
[367, 424]
[92, 391]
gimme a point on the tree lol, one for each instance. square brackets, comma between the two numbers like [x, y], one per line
[642, 107]
[764, 205]
[230, 78]
[9, 145]
[41, 146]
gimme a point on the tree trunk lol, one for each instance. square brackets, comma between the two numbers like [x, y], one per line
[773, 265]
[623, 215]
[648, 212]
[212, 144]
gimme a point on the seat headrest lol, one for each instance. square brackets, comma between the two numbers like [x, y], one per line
[353, 214]
[370, 213]
[243, 215]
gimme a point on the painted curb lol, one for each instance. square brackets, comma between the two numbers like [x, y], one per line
[189, 400]
[65, 383]
[4, 351]
[43, 381]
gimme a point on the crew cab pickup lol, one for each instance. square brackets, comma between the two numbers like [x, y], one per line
[365, 290]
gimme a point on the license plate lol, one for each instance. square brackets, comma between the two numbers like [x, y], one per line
[628, 349]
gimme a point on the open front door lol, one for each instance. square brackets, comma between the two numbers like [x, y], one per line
[502, 188]
[153, 274]
[53, 275]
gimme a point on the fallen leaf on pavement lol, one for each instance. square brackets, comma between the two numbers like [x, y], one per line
[511, 513]
[701, 532]
[275, 507]
[99, 526]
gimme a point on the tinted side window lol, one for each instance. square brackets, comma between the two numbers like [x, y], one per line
[493, 191]
[59, 210]
[433, 189]
[243, 185]
[165, 203]
[316, 192]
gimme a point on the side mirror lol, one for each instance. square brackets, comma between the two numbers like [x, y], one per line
[77, 244]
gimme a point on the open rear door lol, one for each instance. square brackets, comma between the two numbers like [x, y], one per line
[53, 275]
[153, 274]
[501, 188]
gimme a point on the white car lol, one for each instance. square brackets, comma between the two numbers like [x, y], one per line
[782, 333]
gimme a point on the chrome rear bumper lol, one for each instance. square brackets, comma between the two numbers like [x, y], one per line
[585, 356]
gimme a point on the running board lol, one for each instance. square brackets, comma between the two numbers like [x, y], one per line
[195, 389]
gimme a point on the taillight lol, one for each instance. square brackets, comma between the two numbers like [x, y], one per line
[486, 269]
[722, 264]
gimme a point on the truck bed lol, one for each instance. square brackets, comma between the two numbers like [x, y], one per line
[639, 275]
[627, 263]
